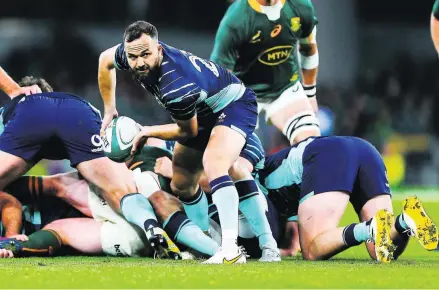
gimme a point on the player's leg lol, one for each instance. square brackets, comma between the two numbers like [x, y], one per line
[11, 168]
[187, 168]
[325, 193]
[251, 204]
[176, 223]
[293, 114]
[66, 186]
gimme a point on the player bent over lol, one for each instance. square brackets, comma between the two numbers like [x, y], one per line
[56, 125]
[325, 173]
[214, 114]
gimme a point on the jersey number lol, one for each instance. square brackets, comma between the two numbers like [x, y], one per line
[208, 64]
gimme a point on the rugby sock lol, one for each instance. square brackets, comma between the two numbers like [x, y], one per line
[355, 234]
[137, 209]
[27, 189]
[226, 199]
[41, 244]
[400, 225]
[197, 209]
[183, 230]
[252, 207]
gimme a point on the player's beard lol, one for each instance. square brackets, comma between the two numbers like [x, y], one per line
[151, 77]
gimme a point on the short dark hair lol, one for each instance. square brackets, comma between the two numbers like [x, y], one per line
[31, 80]
[135, 30]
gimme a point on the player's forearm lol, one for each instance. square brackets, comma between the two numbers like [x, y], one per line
[11, 214]
[107, 81]
[434, 26]
[167, 132]
[7, 84]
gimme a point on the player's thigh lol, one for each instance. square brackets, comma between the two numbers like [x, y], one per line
[187, 168]
[320, 213]
[82, 234]
[293, 114]
[115, 179]
[11, 168]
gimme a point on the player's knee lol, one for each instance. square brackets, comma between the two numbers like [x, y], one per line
[238, 171]
[183, 190]
[215, 163]
[301, 126]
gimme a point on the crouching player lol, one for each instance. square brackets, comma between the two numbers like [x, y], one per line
[117, 237]
[323, 174]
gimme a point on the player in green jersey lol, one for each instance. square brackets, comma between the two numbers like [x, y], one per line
[257, 40]
[434, 25]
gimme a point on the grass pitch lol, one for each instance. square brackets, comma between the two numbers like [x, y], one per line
[416, 268]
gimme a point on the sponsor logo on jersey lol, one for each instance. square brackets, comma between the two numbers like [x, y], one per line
[221, 118]
[295, 24]
[276, 55]
[294, 77]
[97, 141]
[276, 30]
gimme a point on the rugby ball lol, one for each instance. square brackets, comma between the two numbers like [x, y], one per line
[118, 138]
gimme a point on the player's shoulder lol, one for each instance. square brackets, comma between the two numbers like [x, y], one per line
[175, 60]
[301, 5]
[237, 13]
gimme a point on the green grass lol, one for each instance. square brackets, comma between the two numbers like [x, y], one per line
[352, 269]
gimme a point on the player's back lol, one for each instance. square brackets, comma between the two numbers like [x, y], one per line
[263, 40]
[51, 125]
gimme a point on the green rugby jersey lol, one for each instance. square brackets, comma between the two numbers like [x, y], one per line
[145, 160]
[436, 9]
[260, 51]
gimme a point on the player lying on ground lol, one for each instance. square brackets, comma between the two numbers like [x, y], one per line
[58, 126]
[257, 40]
[253, 234]
[86, 198]
[316, 179]
[214, 114]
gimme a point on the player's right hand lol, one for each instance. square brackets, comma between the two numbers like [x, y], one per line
[108, 117]
[163, 166]
[22, 238]
[6, 253]
[35, 89]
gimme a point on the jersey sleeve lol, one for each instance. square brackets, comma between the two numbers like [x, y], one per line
[120, 58]
[308, 17]
[435, 11]
[181, 99]
[227, 42]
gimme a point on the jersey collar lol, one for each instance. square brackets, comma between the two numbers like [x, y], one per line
[258, 7]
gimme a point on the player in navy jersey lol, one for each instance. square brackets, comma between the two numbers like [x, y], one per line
[214, 114]
[316, 178]
[55, 125]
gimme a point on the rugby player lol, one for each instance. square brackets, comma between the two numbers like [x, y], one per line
[257, 40]
[214, 114]
[434, 25]
[54, 125]
[252, 206]
[316, 178]
[115, 233]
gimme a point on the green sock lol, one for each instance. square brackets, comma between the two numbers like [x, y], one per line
[41, 244]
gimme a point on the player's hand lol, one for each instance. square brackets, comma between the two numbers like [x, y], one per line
[22, 238]
[6, 254]
[108, 117]
[163, 166]
[26, 91]
[140, 140]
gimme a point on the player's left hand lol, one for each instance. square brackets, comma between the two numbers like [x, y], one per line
[22, 238]
[140, 140]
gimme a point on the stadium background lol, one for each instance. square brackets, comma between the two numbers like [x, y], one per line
[377, 77]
